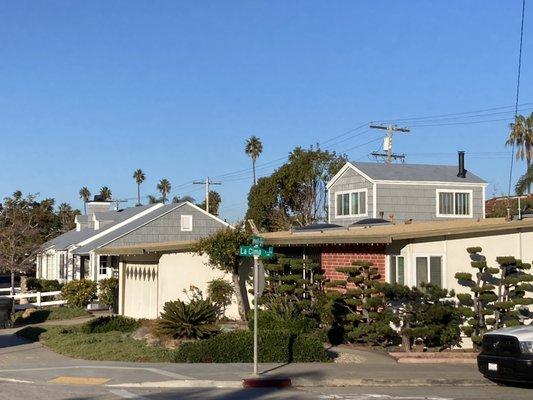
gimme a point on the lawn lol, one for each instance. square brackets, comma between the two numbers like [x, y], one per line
[109, 346]
[49, 314]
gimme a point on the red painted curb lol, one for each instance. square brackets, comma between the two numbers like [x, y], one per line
[250, 383]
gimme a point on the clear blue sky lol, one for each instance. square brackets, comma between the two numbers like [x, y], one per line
[90, 91]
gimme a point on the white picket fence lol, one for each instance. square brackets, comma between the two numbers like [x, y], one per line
[8, 290]
[38, 299]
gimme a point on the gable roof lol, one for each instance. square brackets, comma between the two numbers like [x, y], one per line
[136, 224]
[380, 172]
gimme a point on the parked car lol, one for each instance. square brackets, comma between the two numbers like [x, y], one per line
[507, 355]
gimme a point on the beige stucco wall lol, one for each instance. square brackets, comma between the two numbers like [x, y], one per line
[455, 257]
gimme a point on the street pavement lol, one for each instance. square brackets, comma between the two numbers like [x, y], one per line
[29, 370]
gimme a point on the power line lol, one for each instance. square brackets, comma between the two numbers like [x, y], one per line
[208, 182]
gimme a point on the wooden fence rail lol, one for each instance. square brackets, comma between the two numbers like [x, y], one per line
[38, 299]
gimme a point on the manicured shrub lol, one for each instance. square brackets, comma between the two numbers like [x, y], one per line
[271, 320]
[108, 291]
[237, 346]
[193, 320]
[113, 323]
[79, 293]
[43, 285]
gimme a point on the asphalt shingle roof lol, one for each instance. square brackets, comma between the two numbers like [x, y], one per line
[415, 172]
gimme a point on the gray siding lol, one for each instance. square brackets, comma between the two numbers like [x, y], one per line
[419, 202]
[167, 228]
[350, 180]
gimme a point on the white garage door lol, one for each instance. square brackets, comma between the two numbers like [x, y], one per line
[140, 289]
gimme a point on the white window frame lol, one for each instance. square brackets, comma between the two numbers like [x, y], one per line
[107, 265]
[183, 226]
[405, 269]
[444, 272]
[365, 191]
[454, 191]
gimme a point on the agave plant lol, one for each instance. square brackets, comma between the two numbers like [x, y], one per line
[193, 320]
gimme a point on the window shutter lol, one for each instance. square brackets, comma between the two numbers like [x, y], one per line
[435, 270]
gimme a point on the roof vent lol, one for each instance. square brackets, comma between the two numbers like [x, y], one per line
[462, 171]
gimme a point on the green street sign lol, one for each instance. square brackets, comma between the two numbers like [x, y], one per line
[256, 251]
[258, 241]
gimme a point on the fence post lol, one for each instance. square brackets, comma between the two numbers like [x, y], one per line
[38, 299]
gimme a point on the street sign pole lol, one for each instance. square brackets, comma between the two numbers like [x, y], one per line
[256, 307]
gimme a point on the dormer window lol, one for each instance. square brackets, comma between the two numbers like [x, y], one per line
[351, 203]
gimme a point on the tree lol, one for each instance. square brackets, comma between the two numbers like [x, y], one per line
[66, 217]
[139, 177]
[85, 195]
[525, 181]
[164, 188]
[222, 251]
[21, 233]
[253, 149]
[106, 194]
[177, 199]
[521, 136]
[295, 194]
[214, 202]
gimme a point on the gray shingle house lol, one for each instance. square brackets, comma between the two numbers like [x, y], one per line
[404, 192]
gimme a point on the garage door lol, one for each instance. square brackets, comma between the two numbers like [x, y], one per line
[140, 290]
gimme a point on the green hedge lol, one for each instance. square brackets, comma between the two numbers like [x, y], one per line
[114, 323]
[43, 285]
[232, 347]
[270, 320]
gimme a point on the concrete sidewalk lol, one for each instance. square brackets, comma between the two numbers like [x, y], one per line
[32, 362]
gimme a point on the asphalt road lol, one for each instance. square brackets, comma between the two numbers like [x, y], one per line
[12, 391]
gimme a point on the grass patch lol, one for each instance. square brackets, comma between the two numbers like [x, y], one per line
[49, 314]
[109, 346]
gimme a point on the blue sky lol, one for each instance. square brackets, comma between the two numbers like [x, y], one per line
[90, 91]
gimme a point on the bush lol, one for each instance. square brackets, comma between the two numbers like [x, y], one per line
[296, 324]
[43, 285]
[108, 291]
[237, 346]
[193, 320]
[220, 292]
[115, 323]
[79, 293]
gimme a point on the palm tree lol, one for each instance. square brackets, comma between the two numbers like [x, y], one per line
[105, 192]
[521, 136]
[139, 177]
[253, 149]
[524, 182]
[85, 195]
[164, 188]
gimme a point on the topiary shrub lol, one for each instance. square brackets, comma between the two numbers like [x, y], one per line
[108, 292]
[193, 320]
[237, 346]
[110, 323]
[79, 293]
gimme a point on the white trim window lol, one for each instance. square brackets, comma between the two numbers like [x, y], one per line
[351, 203]
[397, 269]
[454, 203]
[429, 269]
[186, 223]
[103, 265]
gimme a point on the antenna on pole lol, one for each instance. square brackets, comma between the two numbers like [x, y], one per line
[117, 203]
[387, 143]
[207, 182]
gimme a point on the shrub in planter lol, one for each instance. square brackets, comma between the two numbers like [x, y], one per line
[237, 346]
[193, 320]
[112, 323]
[108, 290]
[79, 293]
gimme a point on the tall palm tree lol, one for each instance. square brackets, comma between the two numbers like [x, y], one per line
[524, 182]
[164, 188]
[139, 177]
[253, 149]
[521, 136]
[105, 192]
[85, 195]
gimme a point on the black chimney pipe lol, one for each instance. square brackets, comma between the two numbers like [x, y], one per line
[462, 171]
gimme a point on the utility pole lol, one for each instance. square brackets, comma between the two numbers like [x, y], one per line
[387, 144]
[207, 182]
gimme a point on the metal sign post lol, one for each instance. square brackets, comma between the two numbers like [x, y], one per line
[256, 251]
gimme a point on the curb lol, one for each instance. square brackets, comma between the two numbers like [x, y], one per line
[364, 382]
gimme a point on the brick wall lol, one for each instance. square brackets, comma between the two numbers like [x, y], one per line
[342, 256]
